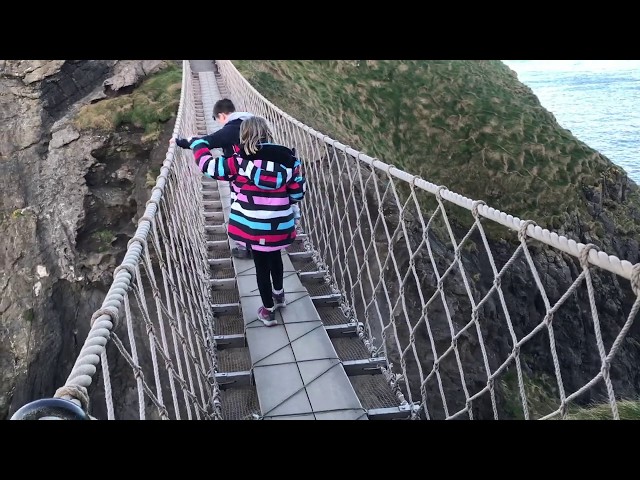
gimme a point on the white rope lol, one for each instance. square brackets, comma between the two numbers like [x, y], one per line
[365, 223]
[186, 302]
[399, 267]
[602, 260]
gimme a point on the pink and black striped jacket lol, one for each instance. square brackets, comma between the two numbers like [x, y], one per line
[267, 184]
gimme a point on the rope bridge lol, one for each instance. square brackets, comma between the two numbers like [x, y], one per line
[458, 296]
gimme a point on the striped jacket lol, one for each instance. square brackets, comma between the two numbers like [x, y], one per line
[267, 184]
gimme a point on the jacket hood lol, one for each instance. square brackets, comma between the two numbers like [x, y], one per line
[277, 166]
[239, 116]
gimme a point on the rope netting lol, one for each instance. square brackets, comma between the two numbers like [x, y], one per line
[513, 324]
[157, 313]
[479, 313]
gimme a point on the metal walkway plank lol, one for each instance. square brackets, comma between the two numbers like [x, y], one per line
[281, 390]
[296, 370]
[328, 387]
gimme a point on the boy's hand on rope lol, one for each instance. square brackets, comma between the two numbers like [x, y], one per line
[183, 142]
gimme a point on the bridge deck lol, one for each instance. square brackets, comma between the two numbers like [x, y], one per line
[295, 367]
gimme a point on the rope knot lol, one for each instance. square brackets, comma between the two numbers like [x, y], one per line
[388, 169]
[74, 392]
[145, 217]
[522, 233]
[584, 255]
[438, 192]
[564, 406]
[474, 207]
[111, 312]
[143, 241]
[154, 201]
[125, 266]
[138, 373]
[606, 366]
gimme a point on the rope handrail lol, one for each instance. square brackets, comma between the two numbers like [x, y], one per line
[152, 227]
[401, 272]
[601, 259]
[403, 276]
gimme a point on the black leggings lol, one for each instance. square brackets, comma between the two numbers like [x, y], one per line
[268, 267]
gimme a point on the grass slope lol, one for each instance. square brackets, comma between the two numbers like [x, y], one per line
[469, 125]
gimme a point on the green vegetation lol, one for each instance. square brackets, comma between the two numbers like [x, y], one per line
[103, 238]
[541, 392]
[28, 315]
[468, 125]
[627, 410]
[151, 104]
[21, 212]
[152, 175]
[543, 398]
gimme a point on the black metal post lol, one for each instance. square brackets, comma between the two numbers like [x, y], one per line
[56, 408]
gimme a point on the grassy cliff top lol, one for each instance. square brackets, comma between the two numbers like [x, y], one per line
[469, 125]
[147, 107]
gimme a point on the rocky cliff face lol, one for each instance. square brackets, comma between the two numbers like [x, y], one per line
[68, 207]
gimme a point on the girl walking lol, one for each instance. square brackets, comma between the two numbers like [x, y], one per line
[270, 183]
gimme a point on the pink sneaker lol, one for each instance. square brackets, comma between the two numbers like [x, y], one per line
[267, 316]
